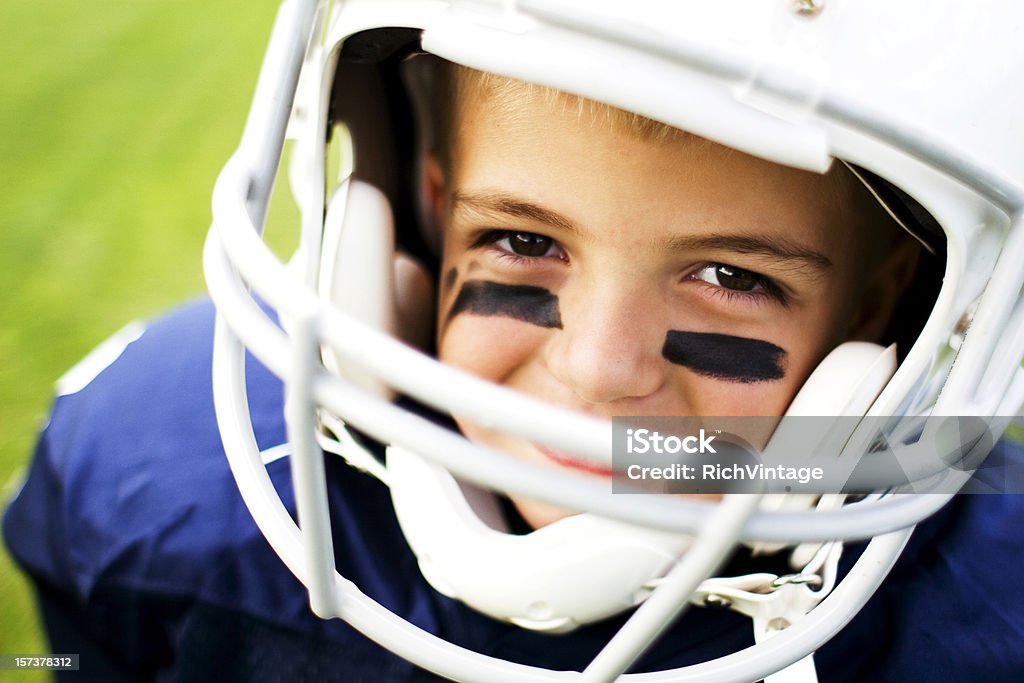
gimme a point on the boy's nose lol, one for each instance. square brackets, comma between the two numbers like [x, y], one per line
[609, 347]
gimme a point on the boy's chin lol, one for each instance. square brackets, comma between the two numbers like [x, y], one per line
[539, 514]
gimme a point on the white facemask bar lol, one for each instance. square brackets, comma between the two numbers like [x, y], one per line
[234, 248]
[308, 554]
[383, 420]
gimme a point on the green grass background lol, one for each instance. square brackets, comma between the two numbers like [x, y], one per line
[115, 117]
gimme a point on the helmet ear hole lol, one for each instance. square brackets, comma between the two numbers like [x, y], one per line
[362, 275]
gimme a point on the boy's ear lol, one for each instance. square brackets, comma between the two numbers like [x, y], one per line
[434, 190]
[886, 286]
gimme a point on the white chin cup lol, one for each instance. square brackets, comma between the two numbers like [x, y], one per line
[574, 571]
[582, 568]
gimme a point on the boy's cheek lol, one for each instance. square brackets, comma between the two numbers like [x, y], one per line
[712, 397]
[493, 348]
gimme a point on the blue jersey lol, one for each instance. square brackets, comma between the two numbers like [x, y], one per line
[148, 564]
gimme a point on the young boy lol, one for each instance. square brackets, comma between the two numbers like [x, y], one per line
[647, 232]
[599, 260]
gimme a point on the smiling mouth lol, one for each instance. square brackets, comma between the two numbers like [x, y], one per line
[572, 462]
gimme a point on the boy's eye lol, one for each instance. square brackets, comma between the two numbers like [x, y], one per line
[729, 277]
[520, 245]
[528, 243]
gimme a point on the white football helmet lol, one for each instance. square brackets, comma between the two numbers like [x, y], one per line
[924, 94]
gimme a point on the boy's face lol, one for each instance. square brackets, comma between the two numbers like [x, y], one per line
[622, 276]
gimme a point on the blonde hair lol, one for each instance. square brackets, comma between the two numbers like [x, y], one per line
[459, 87]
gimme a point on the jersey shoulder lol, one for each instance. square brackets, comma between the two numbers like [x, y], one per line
[130, 492]
[951, 594]
[129, 481]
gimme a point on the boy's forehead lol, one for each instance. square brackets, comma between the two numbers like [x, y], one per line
[513, 111]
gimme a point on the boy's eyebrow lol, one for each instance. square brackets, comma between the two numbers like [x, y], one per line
[772, 246]
[500, 202]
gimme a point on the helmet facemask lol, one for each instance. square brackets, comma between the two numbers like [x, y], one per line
[342, 371]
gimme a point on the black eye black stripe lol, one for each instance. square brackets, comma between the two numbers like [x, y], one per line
[534, 305]
[722, 356]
